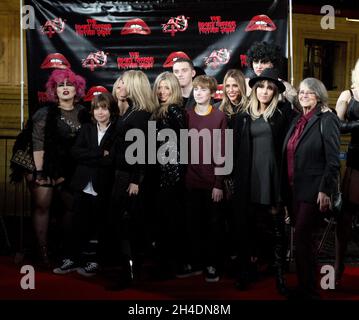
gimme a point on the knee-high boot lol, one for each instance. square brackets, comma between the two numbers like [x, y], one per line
[279, 252]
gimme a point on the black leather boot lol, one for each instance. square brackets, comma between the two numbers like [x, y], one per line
[122, 278]
[279, 253]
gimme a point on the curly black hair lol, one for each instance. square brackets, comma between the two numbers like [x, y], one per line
[265, 52]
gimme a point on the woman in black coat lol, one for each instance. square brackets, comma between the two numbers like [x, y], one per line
[126, 229]
[258, 139]
[309, 173]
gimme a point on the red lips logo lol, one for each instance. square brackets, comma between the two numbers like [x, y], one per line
[219, 92]
[42, 97]
[95, 60]
[137, 26]
[173, 57]
[261, 23]
[94, 91]
[56, 25]
[56, 61]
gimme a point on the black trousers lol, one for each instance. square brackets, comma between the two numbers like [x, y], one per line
[88, 222]
[125, 227]
[170, 220]
[306, 221]
[205, 228]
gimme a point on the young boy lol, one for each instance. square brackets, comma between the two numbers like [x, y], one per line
[204, 187]
[91, 183]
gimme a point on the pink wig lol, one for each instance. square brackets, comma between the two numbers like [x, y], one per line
[58, 76]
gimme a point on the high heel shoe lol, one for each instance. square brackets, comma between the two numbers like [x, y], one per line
[280, 284]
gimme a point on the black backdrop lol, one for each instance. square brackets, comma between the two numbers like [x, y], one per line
[99, 39]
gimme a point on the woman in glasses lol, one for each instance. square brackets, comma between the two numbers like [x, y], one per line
[309, 171]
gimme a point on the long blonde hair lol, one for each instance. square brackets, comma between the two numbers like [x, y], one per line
[355, 76]
[226, 105]
[175, 96]
[138, 88]
[253, 105]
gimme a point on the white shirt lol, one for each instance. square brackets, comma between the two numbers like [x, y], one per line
[100, 134]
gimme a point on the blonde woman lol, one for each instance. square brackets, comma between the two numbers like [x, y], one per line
[235, 97]
[170, 114]
[348, 112]
[132, 92]
[258, 139]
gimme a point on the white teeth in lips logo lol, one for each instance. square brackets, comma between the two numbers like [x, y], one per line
[55, 61]
[261, 23]
[136, 26]
[96, 93]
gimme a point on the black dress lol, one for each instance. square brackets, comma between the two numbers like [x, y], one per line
[54, 132]
[264, 171]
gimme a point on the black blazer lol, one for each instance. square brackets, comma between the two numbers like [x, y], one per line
[92, 165]
[132, 119]
[316, 158]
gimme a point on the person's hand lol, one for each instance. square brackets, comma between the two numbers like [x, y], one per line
[133, 189]
[59, 180]
[105, 153]
[324, 202]
[41, 179]
[217, 194]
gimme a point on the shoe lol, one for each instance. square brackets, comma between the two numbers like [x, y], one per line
[281, 285]
[66, 267]
[187, 271]
[211, 274]
[90, 270]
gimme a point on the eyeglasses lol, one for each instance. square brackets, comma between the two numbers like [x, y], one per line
[309, 93]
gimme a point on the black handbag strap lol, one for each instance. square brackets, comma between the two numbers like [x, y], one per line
[321, 134]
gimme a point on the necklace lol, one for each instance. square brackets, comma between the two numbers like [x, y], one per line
[203, 114]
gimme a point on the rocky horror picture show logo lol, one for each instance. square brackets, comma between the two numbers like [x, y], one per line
[134, 61]
[216, 25]
[93, 28]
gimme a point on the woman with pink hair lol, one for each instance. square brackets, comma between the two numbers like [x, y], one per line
[55, 128]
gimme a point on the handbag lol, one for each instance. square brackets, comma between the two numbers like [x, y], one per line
[228, 187]
[336, 201]
[24, 159]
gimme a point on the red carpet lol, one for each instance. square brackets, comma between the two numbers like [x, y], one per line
[75, 287]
